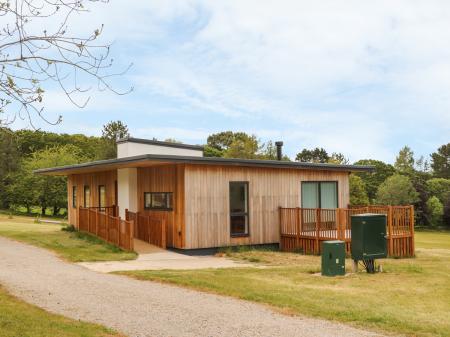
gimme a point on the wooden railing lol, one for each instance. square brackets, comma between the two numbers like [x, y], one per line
[304, 229]
[149, 229]
[110, 210]
[110, 228]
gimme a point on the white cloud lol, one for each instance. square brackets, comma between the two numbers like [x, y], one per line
[357, 77]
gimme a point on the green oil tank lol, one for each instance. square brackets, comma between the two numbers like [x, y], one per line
[333, 258]
[368, 237]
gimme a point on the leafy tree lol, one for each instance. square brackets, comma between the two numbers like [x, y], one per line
[404, 163]
[246, 148]
[9, 158]
[436, 210]
[446, 216]
[111, 133]
[372, 180]
[338, 158]
[222, 141]
[440, 162]
[439, 187]
[209, 151]
[46, 191]
[358, 193]
[38, 49]
[397, 190]
[317, 155]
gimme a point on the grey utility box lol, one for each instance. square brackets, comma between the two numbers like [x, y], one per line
[333, 258]
[368, 237]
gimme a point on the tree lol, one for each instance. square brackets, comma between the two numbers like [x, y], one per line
[440, 162]
[338, 158]
[358, 193]
[40, 49]
[51, 191]
[397, 190]
[446, 216]
[246, 148]
[440, 188]
[372, 180]
[404, 163]
[317, 155]
[9, 158]
[436, 210]
[111, 133]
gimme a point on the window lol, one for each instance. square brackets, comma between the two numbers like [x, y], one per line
[319, 194]
[238, 208]
[74, 196]
[87, 196]
[158, 200]
[101, 197]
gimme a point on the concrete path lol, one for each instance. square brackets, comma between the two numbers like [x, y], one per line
[139, 308]
[154, 258]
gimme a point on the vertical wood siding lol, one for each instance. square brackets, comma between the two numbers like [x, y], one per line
[207, 201]
[93, 180]
[164, 178]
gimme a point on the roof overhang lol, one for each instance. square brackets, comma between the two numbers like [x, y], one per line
[156, 160]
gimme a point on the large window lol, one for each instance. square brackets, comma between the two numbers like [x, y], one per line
[74, 196]
[102, 197]
[87, 196]
[238, 208]
[319, 194]
[158, 200]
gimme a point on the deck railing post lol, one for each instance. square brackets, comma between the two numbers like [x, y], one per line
[412, 220]
[89, 220]
[280, 221]
[96, 222]
[390, 235]
[77, 215]
[131, 233]
[338, 223]
[299, 226]
[317, 230]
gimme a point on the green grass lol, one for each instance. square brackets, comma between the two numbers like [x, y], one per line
[18, 318]
[411, 296]
[433, 240]
[73, 246]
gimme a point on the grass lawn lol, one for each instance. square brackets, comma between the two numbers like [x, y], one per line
[411, 296]
[18, 318]
[73, 246]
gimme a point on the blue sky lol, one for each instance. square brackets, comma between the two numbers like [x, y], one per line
[358, 77]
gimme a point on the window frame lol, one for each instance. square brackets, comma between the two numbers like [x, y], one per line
[246, 214]
[151, 208]
[100, 206]
[319, 182]
[84, 196]
[74, 196]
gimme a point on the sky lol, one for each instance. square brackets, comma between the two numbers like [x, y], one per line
[363, 78]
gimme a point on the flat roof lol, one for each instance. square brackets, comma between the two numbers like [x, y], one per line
[156, 159]
[160, 143]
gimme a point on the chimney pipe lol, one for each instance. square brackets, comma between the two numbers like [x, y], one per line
[279, 146]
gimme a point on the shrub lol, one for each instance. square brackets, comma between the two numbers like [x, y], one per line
[436, 210]
[397, 190]
[69, 228]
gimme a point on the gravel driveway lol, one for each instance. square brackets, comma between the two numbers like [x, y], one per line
[140, 308]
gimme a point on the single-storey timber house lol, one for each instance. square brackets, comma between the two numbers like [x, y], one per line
[190, 201]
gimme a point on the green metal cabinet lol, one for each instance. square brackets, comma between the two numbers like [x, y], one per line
[368, 236]
[333, 258]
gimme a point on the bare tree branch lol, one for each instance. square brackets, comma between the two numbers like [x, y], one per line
[30, 60]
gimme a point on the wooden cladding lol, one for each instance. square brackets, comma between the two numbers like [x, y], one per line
[164, 179]
[304, 229]
[207, 209]
[93, 181]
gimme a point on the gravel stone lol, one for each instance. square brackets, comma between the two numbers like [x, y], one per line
[141, 308]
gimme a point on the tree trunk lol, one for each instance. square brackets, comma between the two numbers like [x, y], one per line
[55, 210]
[28, 209]
[43, 209]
